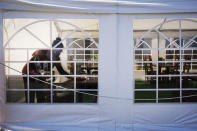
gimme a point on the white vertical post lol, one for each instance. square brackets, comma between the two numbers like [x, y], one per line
[108, 66]
[157, 67]
[116, 69]
[2, 73]
[125, 75]
[180, 57]
[75, 75]
[27, 78]
[107, 58]
[51, 61]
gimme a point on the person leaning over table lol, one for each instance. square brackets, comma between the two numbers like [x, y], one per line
[42, 68]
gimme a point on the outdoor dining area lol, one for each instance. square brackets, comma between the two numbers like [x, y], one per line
[168, 68]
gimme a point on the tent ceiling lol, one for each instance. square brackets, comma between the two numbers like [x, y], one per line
[146, 24]
[85, 24]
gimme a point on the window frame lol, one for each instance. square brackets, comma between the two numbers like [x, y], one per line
[157, 62]
[75, 62]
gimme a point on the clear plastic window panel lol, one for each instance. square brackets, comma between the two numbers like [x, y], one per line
[51, 61]
[165, 60]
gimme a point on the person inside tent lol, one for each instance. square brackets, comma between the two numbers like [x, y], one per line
[41, 68]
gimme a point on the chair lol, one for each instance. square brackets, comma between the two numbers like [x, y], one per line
[187, 65]
[148, 67]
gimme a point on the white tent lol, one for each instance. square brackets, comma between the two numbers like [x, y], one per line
[132, 65]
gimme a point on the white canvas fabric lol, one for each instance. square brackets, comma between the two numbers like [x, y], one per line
[101, 6]
[115, 71]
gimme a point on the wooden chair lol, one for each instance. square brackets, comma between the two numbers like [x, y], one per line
[187, 65]
[148, 67]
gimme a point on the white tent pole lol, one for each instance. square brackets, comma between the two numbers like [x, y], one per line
[125, 67]
[2, 72]
[180, 57]
[51, 63]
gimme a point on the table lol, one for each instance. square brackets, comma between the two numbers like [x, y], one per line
[89, 68]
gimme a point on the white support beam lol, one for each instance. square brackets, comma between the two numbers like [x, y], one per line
[2, 72]
[125, 58]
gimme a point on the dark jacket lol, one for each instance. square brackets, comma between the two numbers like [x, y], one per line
[42, 55]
